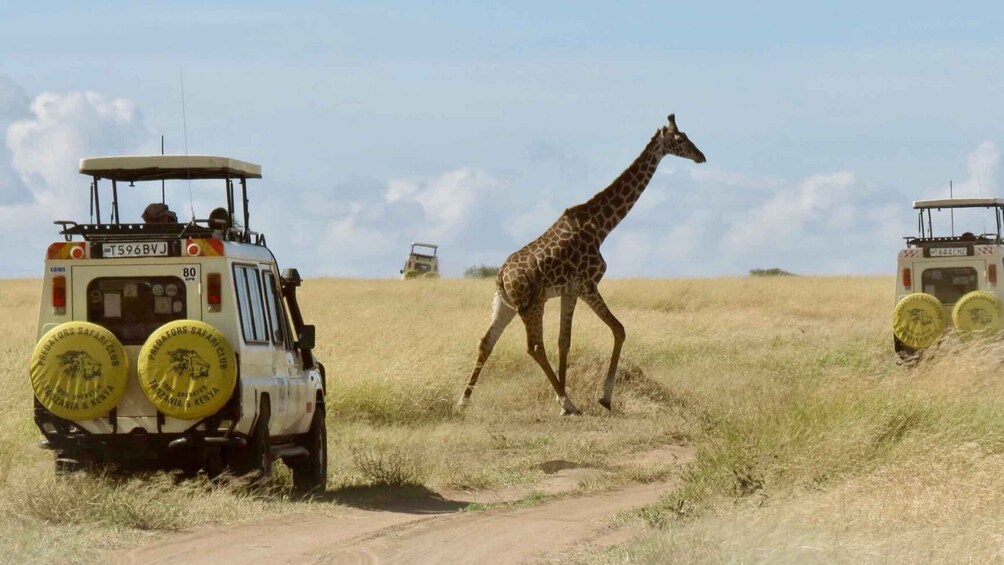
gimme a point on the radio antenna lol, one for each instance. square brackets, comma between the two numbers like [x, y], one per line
[162, 200]
[951, 194]
[184, 122]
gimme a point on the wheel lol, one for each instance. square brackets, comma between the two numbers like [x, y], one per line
[901, 348]
[68, 466]
[256, 456]
[310, 473]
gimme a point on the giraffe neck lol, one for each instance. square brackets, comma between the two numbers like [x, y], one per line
[609, 206]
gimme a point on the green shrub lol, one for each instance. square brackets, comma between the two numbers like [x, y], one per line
[481, 272]
[773, 272]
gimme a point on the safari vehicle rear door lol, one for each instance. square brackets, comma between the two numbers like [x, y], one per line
[950, 280]
[132, 300]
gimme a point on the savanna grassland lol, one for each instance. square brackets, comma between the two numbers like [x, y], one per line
[812, 442]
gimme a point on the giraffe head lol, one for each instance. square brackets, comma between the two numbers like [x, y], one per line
[672, 141]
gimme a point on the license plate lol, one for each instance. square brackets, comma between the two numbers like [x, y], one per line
[142, 249]
[949, 252]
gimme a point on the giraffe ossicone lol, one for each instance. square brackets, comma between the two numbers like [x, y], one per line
[565, 261]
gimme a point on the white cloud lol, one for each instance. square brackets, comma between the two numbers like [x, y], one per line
[723, 223]
[983, 176]
[529, 223]
[364, 228]
[446, 200]
[62, 128]
[825, 199]
[45, 137]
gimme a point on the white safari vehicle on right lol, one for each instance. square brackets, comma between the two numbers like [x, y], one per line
[949, 281]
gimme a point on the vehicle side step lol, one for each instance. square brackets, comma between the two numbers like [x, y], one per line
[289, 450]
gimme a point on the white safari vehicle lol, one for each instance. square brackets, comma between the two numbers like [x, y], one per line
[175, 345]
[949, 280]
[422, 262]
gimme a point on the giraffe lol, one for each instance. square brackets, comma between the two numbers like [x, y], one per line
[565, 261]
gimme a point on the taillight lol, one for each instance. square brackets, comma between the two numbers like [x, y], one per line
[67, 251]
[907, 279]
[205, 247]
[59, 294]
[214, 292]
[992, 274]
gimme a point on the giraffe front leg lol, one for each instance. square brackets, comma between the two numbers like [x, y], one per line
[596, 302]
[533, 319]
[502, 314]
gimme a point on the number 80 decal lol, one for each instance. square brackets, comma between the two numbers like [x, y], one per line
[190, 273]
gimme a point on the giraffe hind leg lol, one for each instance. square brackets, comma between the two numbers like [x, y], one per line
[502, 314]
[533, 319]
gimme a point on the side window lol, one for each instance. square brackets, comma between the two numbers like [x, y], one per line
[249, 297]
[243, 305]
[280, 333]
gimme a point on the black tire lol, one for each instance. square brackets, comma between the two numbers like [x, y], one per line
[310, 473]
[902, 349]
[66, 466]
[256, 456]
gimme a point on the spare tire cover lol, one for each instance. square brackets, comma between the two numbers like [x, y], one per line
[79, 371]
[187, 369]
[978, 311]
[918, 320]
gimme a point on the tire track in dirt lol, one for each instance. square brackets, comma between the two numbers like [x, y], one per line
[500, 536]
[429, 529]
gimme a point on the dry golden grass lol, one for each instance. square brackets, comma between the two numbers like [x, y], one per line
[812, 442]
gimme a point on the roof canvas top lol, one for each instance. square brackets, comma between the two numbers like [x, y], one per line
[958, 203]
[159, 167]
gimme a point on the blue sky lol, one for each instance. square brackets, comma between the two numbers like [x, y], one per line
[474, 127]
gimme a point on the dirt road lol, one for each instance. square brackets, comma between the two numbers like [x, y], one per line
[424, 529]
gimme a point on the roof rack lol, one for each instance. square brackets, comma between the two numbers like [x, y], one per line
[133, 168]
[926, 233]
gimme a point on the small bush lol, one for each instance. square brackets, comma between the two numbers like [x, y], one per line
[774, 272]
[143, 503]
[380, 467]
[481, 272]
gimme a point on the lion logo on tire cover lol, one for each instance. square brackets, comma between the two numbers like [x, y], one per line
[188, 363]
[919, 316]
[79, 364]
[980, 316]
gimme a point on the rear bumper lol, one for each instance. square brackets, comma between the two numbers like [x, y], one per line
[71, 441]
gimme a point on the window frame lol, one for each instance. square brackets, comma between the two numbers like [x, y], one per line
[246, 310]
[276, 309]
[117, 328]
[952, 271]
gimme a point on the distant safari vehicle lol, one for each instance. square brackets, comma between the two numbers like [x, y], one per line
[949, 280]
[175, 345]
[422, 262]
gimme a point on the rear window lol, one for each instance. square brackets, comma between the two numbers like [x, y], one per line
[949, 284]
[132, 307]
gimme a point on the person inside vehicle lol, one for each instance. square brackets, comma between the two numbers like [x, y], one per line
[158, 213]
[219, 219]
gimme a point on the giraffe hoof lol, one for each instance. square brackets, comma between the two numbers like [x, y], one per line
[573, 412]
[604, 403]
